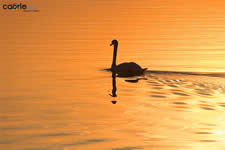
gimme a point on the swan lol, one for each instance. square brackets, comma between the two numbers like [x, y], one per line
[127, 69]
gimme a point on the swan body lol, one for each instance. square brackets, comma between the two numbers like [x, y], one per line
[127, 69]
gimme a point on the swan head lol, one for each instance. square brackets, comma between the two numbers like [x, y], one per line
[114, 42]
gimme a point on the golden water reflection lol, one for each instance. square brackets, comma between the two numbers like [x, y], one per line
[55, 96]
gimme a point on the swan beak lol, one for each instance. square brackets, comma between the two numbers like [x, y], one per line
[111, 44]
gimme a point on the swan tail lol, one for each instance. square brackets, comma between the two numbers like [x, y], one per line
[144, 69]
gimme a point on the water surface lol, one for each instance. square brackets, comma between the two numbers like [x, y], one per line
[55, 92]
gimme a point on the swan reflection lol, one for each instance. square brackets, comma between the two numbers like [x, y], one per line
[113, 86]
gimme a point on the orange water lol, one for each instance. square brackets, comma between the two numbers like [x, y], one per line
[55, 95]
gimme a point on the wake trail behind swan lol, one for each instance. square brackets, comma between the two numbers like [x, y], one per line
[209, 74]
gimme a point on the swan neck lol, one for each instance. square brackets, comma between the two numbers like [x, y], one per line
[114, 55]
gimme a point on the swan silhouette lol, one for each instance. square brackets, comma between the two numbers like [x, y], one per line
[127, 69]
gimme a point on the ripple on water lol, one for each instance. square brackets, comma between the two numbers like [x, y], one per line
[160, 93]
[35, 149]
[86, 142]
[208, 125]
[180, 103]
[202, 85]
[160, 80]
[172, 85]
[127, 148]
[180, 93]
[180, 107]
[221, 104]
[203, 132]
[157, 88]
[158, 96]
[7, 141]
[153, 82]
[207, 140]
[206, 106]
[204, 92]
[191, 86]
